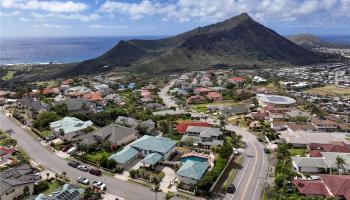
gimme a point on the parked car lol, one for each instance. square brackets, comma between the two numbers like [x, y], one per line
[49, 138]
[38, 176]
[99, 185]
[267, 151]
[95, 172]
[72, 150]
[231, 189]
[83, 168]
[83, 180]
[74, 164]
[66, 148]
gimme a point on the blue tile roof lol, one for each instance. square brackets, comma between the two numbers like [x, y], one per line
[124, 155]
[156, 144]
[152, 158]
[193, 169]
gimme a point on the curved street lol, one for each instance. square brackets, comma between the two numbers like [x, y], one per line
[251, 179]
[56, 164]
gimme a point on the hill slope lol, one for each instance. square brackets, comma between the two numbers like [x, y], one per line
[309, 41]
[239, 40]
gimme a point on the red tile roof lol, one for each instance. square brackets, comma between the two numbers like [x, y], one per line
[181, 127]
[237, 79]
[330, 147]
[311, 187]
[315, 153]
[50, 91]
[214, 95]
[4, 151]
[339, 185]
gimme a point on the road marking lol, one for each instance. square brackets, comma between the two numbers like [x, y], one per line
[240, 180]
[256, 186]
[251, 175]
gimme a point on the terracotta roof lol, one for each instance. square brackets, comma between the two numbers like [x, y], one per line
[309, 187]
[339, 185]
[50, 91]
[330, 147]
[315, 153]
[237, 79]
[296, 127]
[4, 151]
[214, 95]
[319, 121]
[182, 127]
[93, 96]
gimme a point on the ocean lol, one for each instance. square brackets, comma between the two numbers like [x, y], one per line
[57, 49]
[75, 49]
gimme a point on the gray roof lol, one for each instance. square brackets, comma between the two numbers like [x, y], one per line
[66, 192]
[198, 140]
[149, 125]
[204, 131]
[113, 133]
[309, 162]
[32, 104]
[76, 104]
[131, 122]
[16, 176]
[330, 159]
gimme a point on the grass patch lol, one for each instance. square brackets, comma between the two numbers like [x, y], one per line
[9, 75]
[53, 186]
[139, 182]
[51, 83]
[46, 133]
[330, 90]
[237, 164]
[347, 138]
[295, 152]
[96, 156]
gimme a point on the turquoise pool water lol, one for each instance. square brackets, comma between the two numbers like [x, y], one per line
[194, 158]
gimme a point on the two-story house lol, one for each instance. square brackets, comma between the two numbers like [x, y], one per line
[204, 137]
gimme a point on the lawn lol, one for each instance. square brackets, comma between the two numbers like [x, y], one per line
[96, 156]
[9, 75]
[203, 107]
[330, 90]
[46, 133]
[295, 152]
[53, 186]
[51, 83]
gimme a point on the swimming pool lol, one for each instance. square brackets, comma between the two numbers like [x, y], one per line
[194, 158]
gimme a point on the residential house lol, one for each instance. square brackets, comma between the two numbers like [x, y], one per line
[205, 137]
[16, 180]
[66, 192]
[5, 154]
[78, 105]
[127, 121]
[236, 80]
[116, 98]
[49, 91]
[214, 96]
[195, 99]
[149, 126]
[69, 127]
[325, 125]
[278, 126]
[155, 106]
[77, 91]
[182, 126]
[95, 97]
[32, 106]
[329, 185]
[295, 127]
[191, 172]
[152, 148]
[202, 91]
[317, 148]
[116, 135]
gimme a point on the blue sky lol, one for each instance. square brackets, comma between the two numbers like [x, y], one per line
[28, 18]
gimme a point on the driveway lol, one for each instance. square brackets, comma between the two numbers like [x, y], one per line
[57, 165]
[169, 177]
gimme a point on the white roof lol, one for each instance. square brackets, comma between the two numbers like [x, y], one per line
[275, 99]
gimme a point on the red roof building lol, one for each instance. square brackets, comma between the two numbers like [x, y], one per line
[214, 96]
[195, 99]
[328, 186]
[93, 96]
[5, 153]
[202, 90]
[236, 80]
[182, 127]
[50, 91]
[329, 147]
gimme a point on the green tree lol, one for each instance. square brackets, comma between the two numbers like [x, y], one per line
[44, 119]
[340, 162]
[61, 109]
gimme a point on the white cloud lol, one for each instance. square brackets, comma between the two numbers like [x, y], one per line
[48, 6]
[71, 16]
[9, 14]
[215, 10]
[24, 19]
[52, 26]
[101, 26]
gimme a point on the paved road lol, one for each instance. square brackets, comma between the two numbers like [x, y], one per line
[56, 164]
[251, 179]
[167, 99]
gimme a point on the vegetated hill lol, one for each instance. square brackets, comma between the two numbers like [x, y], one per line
[310, 41]
[239, 40]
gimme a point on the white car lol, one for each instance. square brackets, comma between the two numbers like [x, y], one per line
[99, 185]
[83, 168]
[83, 180]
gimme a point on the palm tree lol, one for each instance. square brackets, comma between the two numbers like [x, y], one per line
[340, 162]
[64, 174]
